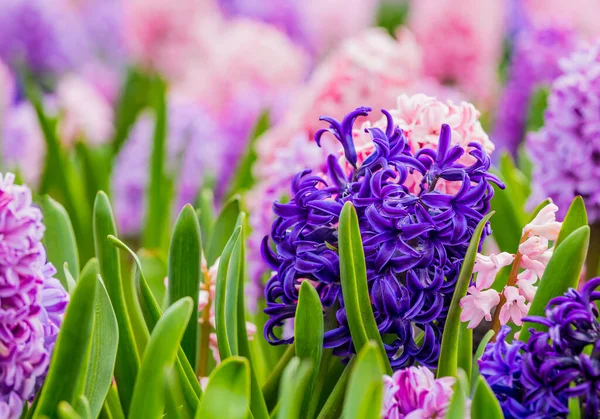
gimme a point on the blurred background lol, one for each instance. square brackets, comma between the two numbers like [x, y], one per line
[164, 102]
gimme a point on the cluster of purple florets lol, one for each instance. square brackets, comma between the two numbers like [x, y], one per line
[414, 242]
[32, 302]
[537, 378]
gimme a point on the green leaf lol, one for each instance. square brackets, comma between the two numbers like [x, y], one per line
[112, 405]
[484, 404]
[128, 361]
[71, 284]
[59, 238]
[66, 411]
[353, 277]
[270, 389]
[465, 349]
[448, 361]
[537, 106]
[308, 335]
[478, 354]
[222, 230]
[68, 366]
[206, 217]
[507, 223]
[576, 217]
[152, 312]
[365, 389]
[458, 403]
[562, 272]
[334, 403]
[82, 406]
[133, 98]
[148, 399]
[294, 383]
[574, 407]
[243, 178]
[228, 392]
[185, 253]
[154, 264]
[159, 189]
[103, 353]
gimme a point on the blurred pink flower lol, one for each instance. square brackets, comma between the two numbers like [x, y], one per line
[7, 86]
[84, 113]
[462, 42]
[477, 305]
[414, 393]
[514, 308]
[487, 267]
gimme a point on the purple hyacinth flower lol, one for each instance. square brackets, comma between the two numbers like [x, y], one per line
[537, 378]
[32, 302]
[414, 242]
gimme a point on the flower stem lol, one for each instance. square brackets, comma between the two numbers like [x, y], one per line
[512, 280]
[205, 329]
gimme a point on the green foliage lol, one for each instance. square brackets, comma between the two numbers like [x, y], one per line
[185, 254]
[228, 392]
[448, 361]
[353, 277]
[59, 239]
[364, 396]
[484, 404]
[222, 230]
[458, 403]
[158, 359]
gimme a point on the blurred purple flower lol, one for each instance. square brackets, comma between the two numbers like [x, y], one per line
[43, 35]
[534, 63]
[195, 149]
[537, 378]
[566, 150]
[414, 242]
[32, 302]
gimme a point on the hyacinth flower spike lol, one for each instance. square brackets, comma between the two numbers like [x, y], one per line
[414, 237]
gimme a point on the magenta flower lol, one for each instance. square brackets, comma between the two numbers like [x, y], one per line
[414, 393]
[32, 302]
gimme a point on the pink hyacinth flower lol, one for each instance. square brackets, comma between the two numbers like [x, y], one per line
[514, 308]
[525, 283]
[487, 267]
[544, 224]
[477, 305]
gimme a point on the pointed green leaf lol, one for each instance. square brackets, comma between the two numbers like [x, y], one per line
[159, 201]
[222, 230]
[294, 382]
[68, 366]
[365, 389]
[465, 349]
[154, 264]
[271, 387]
[308, 335]
[228, 392]
[185, 253]
[206, 217]
[576, 217]
[66, 411]
[103, 352]
[353, 277]
[148, 399]
[448, 361]
[152, 312]
[59, 238]
[128, 361]
[82, 406]
[458, 403]
[562, 272]
[484, 404]
[334, 403]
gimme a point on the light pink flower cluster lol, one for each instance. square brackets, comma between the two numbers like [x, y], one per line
[414, 393]
[532, 257]
[462, 42]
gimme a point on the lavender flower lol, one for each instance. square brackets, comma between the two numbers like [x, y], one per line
[195, 148]
[32, 302]
[414, 242]
[44, 35]
[536, 379]
[534, 63]
[566, 151]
